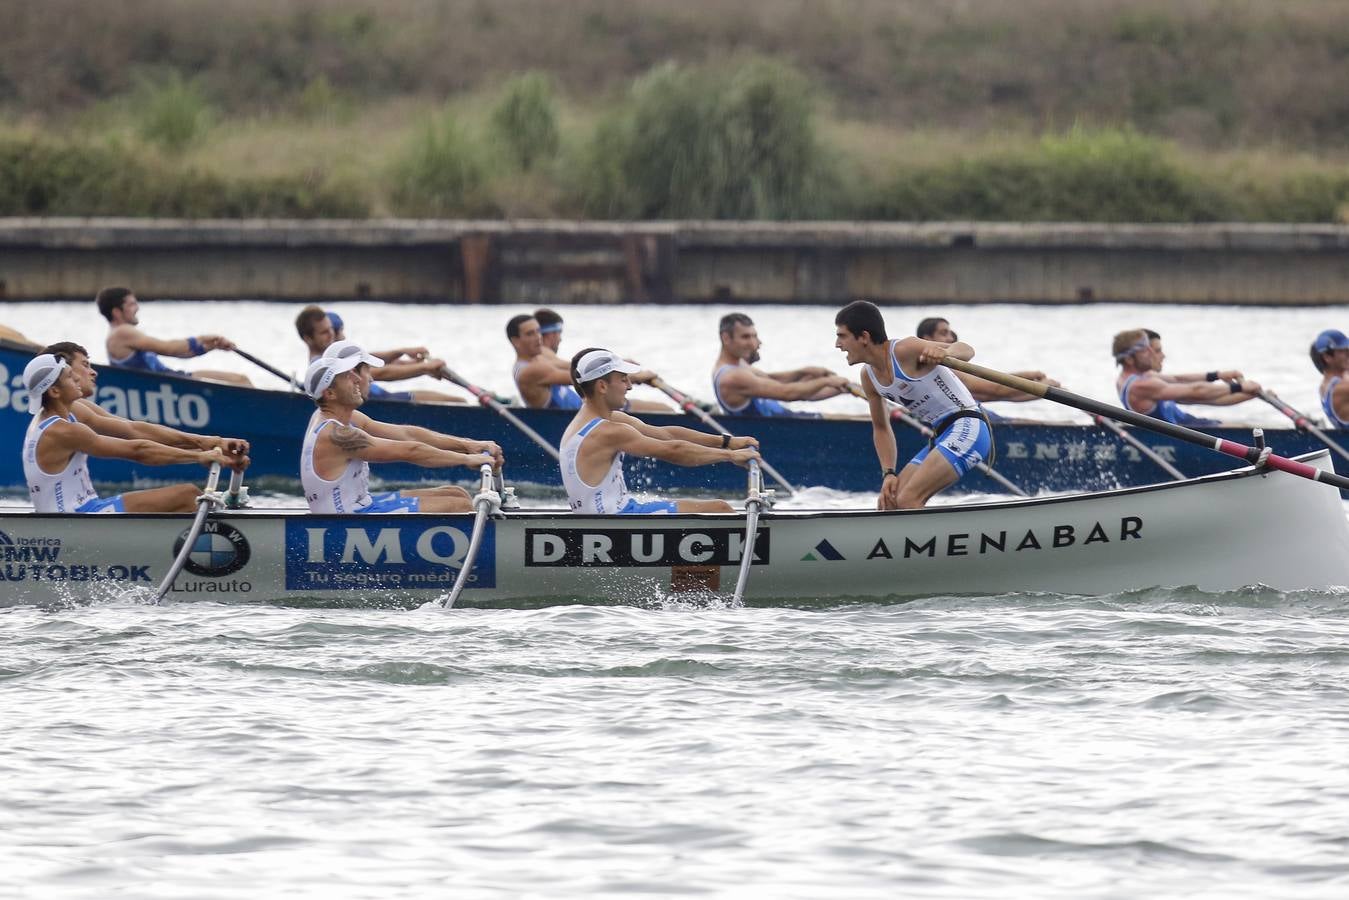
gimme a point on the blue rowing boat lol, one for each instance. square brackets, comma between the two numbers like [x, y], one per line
[830, 452]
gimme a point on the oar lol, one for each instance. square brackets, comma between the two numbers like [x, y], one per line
[204, 503]
[486, 399]
[273, 369]
[693, 409]
[1119, 432]
[753, 503]
[899, 414]
[1302, 423]
[487, 502]
[1252, 455]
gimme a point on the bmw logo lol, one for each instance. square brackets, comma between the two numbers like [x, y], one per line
[220, 549]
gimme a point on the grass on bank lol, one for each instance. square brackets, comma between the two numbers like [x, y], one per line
[742, 139]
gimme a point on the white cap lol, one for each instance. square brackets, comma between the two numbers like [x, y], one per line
[347, 349]
[39, 375]
[321, 372]
[598, 363]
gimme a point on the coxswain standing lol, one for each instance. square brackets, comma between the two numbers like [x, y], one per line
[908, 371]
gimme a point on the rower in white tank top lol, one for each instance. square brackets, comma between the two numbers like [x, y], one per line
[348, 493]
[66, 491]
[930, 398]
[610, 495]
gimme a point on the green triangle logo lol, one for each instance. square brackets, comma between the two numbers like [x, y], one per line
[809, 557]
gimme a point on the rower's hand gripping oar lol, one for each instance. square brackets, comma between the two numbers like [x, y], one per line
[209, 498]
[488, 502]
[1253, 455]
[692, 408]
[900, 414]
[486, 399]
[754, 501]
[1301, 422]
[269, 368]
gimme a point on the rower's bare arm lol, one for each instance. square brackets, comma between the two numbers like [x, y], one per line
[401, 371]
[135, 339]
[989, 392]
[1211, 393]
[619, 435]
[355, 443]
[76, 437]
[1339, 400]
[746, 382]
[882, 435]
[427, 436]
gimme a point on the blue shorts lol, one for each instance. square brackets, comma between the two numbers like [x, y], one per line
[649, 508]
[965, 443]
[391, 502]
[112, 504]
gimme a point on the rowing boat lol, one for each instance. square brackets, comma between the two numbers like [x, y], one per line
[1218, 532]
[832, 453]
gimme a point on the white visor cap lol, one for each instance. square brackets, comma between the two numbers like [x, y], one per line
[598, 363]
[346, 349]
[321, 372]
[39, 375]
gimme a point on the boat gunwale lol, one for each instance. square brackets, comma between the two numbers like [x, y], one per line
[525, 515]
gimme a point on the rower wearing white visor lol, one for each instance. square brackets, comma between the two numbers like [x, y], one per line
[602, 435]
[57, 447]
[909, 371]
[341, 442]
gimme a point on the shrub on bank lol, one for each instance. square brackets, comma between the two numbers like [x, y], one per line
[441, 173]
[46, 178]
[736, 143]
[524, 121]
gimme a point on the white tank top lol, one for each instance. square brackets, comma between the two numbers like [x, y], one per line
[63, 492]
[349, 493]
[930, 398]
[610, 495]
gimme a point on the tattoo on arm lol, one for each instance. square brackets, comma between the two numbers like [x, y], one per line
[349, 440]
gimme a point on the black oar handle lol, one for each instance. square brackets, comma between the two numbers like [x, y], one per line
[1179, 432]
[486, 399]
[269, 368]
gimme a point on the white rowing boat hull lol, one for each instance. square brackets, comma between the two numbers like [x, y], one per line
[1217, 533]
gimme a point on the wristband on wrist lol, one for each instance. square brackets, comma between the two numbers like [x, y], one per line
[195, 346]
[1235, 386]
[725, 441]
[1212, 376]
[885, 473]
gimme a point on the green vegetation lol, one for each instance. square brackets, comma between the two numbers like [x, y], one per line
[1118, 110]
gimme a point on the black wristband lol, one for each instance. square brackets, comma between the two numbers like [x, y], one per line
[1212, 376]
[888, 472]
[1235, 386]
[725, 441]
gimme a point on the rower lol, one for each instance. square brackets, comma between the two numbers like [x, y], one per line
[1144, 389]
[543, 378]
[340, 443]
[318, 329]
[742, 390]
[939, 330]
[87, 412]
[1330, 355]
[601, 435]
[57, 447]
[909, 371]
[130, 348]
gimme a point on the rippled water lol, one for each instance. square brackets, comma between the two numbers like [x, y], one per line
[1158, 743]
[1162, 743]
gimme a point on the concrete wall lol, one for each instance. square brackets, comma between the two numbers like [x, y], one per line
[605, 262]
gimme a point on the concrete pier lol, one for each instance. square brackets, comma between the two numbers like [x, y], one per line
[660, 262]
